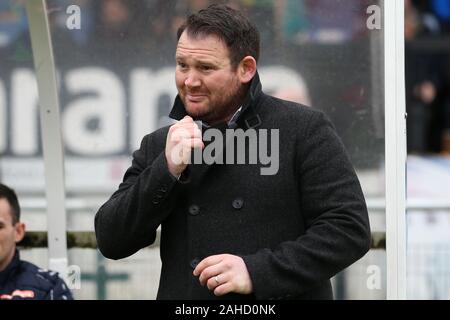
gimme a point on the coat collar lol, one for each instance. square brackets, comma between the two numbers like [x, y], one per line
[247, 117]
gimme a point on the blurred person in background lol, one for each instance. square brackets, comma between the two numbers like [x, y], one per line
[20, 279]
[13, 21]
[436, 14]
[58, 18]
[114, 18]
[422, 84]
[441, 8]
[15, 43]
[445, 143]
[291, 20]
[119, 21]
[333, 22]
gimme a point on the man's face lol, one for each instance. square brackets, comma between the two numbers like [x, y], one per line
[207, 83]
[9, 234]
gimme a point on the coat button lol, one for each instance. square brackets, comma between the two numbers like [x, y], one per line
[194, 210]
[238, 203]
[194, 262]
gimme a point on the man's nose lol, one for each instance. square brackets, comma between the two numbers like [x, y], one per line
[192, 80]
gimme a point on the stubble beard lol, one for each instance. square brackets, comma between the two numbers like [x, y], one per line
[223, 109]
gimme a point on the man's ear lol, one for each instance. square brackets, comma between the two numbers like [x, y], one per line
[19, 231]
[247, 69]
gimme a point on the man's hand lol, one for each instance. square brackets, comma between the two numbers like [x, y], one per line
[183, 136]
[224, 273]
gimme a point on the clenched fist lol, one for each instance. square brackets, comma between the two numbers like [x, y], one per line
[183, 136]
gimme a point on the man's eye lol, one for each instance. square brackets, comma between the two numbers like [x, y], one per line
[206, 68]
[182, 65]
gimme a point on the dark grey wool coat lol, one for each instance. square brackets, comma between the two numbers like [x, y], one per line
[294, 230]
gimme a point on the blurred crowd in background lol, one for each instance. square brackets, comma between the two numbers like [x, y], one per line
[156, 21]
[144, 24]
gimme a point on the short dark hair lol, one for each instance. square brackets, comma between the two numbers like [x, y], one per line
[239, 34]
[10, 196]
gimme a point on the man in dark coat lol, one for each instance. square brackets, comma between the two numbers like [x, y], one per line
[276, 228]
[20, 279]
